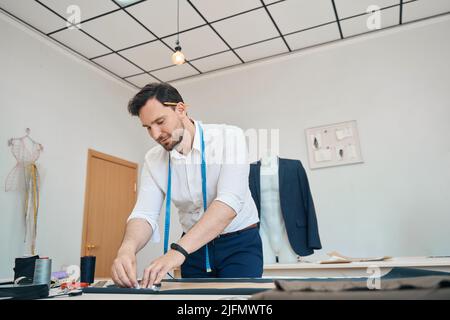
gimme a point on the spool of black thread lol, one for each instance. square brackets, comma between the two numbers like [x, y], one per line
[87, 269]
[24, 267]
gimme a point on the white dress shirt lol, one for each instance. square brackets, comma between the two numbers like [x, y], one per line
[227, 171]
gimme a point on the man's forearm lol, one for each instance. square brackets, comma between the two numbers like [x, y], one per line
[137, 234]
[216, 218]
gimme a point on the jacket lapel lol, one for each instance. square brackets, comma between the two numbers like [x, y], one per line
[281, 176]
[258, 180]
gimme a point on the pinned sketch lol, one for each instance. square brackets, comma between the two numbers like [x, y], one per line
[333, 145]
[340, 153]
[323, 155]
[316, 141]
[344, 133]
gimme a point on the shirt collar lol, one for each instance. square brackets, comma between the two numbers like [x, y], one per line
[195, 145]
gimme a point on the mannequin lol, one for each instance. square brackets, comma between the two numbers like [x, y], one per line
[276, 246]
[25, 174]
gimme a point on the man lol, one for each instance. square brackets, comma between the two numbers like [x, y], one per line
[194, 162]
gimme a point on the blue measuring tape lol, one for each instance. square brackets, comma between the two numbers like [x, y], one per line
[169, 196]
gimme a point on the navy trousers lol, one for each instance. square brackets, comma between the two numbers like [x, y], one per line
[234, 256]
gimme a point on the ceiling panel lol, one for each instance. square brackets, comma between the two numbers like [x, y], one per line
[88, 8]
[175, 72]
[216, 61]
[424, 8]
[160, 16]
[348, 8]
[34, 14]
[117, 65]
[295, 15]
[271, 1]
[358, 25]
[314, 36]
[117, 30]
[262, 50]
[198, 42]
[218, 9]
[124, 3]
[141, 80]
[151, 56]
[80, 42]
[238, 31]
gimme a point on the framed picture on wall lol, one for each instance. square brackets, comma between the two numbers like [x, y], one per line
[333, 145]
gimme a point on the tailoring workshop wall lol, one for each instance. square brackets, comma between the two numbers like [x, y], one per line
[395, 83]
[70, 107]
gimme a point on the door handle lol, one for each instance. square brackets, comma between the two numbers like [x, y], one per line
[91, 246]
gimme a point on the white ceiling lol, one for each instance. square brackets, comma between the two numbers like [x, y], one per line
[134, 39]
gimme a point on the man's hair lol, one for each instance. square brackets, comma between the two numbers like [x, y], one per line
[163, 92]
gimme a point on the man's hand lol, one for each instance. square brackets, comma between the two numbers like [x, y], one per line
[123, 270]
[156, 271]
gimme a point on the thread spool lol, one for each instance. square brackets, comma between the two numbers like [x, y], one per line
[87, 269]
[43, 271]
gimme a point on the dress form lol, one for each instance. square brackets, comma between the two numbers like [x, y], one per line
[276, 246]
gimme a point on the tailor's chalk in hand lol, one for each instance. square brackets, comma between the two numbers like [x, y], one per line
[155, 287]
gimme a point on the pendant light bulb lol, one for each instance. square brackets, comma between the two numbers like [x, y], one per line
[178, 57]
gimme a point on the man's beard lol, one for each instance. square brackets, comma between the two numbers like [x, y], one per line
[172, 145]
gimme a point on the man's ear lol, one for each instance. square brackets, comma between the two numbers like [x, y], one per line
[180, 109]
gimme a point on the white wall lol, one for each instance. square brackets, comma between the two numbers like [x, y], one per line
[396, 84]
[69, 107]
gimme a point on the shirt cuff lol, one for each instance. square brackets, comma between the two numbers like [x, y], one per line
[233, 201]
[155, 228]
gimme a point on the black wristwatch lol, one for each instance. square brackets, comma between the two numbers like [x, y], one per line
[177, 247]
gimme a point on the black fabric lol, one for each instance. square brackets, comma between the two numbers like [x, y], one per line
[24, 291]
[395, 273]
[208, 291]
[296, 202]
[24, 267]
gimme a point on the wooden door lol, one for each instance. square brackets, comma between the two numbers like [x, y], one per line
[109, 199]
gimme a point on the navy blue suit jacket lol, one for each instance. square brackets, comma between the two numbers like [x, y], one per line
[296, 202]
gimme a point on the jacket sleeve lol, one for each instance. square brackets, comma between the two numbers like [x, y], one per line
[253, 190]
[313, 229]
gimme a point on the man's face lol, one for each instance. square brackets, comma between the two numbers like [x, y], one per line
[163, 123]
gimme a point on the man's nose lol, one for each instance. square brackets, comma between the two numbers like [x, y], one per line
[155, 132]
